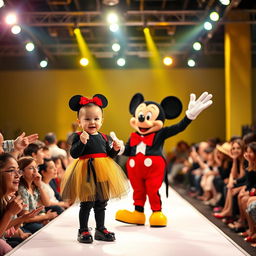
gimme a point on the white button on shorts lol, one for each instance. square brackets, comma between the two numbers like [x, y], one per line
[147, 162]
[132, 163]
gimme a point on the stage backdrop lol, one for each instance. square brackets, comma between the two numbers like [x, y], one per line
[37, 101]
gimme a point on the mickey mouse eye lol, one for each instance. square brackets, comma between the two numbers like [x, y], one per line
[148, 116]
[141, 117]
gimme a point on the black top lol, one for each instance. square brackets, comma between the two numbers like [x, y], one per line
[249, 180]
[160, 136]
[96, 144]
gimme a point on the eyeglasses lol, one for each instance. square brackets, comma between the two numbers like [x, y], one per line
[14, 171]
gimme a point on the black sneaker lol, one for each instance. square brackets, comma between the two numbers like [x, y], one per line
[85, 237]
[104, 235]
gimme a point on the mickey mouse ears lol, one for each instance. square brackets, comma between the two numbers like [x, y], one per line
[78, 101]
[171, 105]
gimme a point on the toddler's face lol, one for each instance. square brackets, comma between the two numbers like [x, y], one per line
[90, 119]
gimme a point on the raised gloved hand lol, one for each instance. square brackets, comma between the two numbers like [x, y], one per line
[117, 144]
[195, 107]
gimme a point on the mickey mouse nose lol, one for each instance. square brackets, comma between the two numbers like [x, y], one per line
[141, 118]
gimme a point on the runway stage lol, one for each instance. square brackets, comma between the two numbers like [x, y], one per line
[188, 233]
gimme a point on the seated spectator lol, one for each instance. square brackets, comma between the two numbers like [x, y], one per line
[10, 204]
[33, 195]
[177, 159]
[35, 150]
[48, 171]
[60, 165]
[51, 142]
[236, 178]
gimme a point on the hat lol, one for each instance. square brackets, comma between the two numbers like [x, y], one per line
[225, 148]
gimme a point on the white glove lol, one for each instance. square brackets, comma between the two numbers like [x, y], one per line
[114, 138]
[195, 107]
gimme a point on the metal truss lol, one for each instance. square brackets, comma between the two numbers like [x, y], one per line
[104, 50]
[129, 18]
[96, 18]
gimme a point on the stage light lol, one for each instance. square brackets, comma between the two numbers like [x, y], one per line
[11, 19]
[168, 61]
[30, 46]
[1, 3]
[84, 62]
[110, 2]
[112, 18]
[208, 25]
[224, 2]
[214, 16]
[16, 29]
[113, 27]
[43, 63]
[116, 47]
[197, 46]
[191, 63]
[121, 62]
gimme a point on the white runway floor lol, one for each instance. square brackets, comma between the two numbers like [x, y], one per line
[188, 233]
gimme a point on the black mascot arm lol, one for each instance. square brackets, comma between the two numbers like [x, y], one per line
[172, 130]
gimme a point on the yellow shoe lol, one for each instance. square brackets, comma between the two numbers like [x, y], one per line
[158, 219]
[134, 217]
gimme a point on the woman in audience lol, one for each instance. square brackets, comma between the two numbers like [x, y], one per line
[48, 171]
[236, 178]
[210, 171]
[33, 194]
[249, 188]
[60, 165]
[10, 203]
[224, 164]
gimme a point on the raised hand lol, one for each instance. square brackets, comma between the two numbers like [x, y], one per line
[84, 137]
[38, 180]
[195, 107]
[22, 141]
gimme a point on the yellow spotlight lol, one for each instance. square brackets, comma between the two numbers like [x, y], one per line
[168, 61]
[83, 47]
[84, 62]
[151, 46]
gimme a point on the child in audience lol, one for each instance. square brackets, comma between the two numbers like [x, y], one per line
[93, 177]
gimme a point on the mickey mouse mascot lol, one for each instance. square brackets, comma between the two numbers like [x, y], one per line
[146, 163]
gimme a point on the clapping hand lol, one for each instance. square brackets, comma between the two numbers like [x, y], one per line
[15, 205]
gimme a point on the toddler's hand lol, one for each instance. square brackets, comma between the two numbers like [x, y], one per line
[117, 144]
[84, 137]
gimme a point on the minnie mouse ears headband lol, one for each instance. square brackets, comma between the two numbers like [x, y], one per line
[78, 101]
[171, 106]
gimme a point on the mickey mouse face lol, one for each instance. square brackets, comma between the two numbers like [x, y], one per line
[145, 119]
[149, 116]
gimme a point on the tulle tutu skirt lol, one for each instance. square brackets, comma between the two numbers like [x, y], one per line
[103, 181]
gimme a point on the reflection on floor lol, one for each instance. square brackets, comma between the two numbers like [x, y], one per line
[188, 233]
